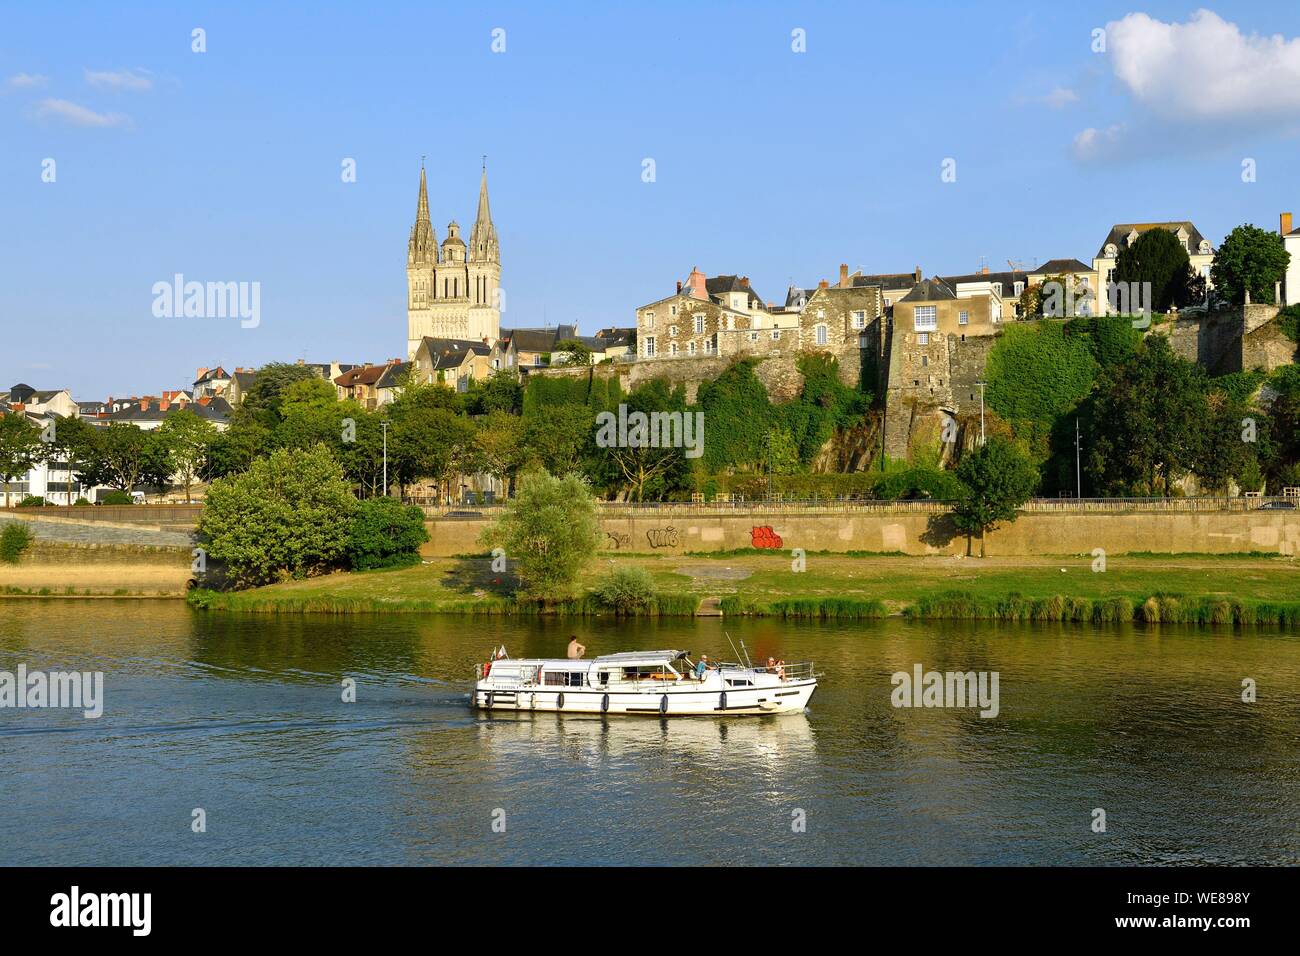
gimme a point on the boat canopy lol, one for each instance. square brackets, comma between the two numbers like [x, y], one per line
[635, 658]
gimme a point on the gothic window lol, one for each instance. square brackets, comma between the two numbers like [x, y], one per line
[821, 335]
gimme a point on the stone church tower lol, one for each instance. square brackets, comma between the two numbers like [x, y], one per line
[452, 290]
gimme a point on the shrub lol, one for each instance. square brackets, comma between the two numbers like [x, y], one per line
[80, 502]
[32, 501]
[551, 531]
[115, 498]
[626, 590]
[14, 540]
[288, 516]
[385, 534]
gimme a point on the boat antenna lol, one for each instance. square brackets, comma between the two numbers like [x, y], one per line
[742, 654]
[733, 645]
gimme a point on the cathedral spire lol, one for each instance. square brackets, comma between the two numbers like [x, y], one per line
[483, 238]
[422, 208]
[422, 247]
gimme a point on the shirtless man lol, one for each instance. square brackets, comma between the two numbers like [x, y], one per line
[576, 650]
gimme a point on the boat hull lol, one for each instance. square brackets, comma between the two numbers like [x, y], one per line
[788, 698]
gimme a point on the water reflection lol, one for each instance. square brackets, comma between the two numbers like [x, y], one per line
[244, 716]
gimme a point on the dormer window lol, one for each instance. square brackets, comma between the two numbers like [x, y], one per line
[1111, 250]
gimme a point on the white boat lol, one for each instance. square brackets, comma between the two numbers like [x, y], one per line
[656, 683]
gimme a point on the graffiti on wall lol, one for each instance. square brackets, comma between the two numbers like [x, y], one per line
[662, 537]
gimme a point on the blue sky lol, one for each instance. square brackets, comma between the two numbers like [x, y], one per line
[225, 165]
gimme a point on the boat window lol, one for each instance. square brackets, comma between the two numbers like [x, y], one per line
[564, 678]
[739, 683]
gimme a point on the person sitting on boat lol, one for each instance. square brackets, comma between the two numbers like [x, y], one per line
[701, 666]
[771, 665]
[576, 650]
[780, 669]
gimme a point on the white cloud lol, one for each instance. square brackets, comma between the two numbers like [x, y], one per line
[132, 80]
[77, 115]
[1093, 143]
[25, 81]
[1205, 69]
[1061, 97]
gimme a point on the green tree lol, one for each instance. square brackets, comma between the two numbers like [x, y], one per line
[76, 442]
[499, 392]
[385, 534]
[21, 449]
[271, 383]
[1156, 256]
[997, 479]
[500, 441]
[288, 516]
[428, 443]
[233, 450]
[187, 438]
[125, 452]
[551, 531]
[1145, 428]
[1224, 455]
[1251, 259]
[644, 469]
[576, 353]
[558, 436]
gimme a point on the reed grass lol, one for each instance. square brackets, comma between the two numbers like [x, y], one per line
[1158, 608]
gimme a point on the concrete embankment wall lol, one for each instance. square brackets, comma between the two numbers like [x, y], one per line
[1064, 532]
[98, 557]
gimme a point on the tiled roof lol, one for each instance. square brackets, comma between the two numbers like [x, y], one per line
[1119, 232]
[1056, 267]
[929, 290]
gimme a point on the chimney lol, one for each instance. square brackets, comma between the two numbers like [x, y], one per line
[1286, 224]
[200, 373]
[917, 274]
[679, 286]
[302, 361]
[984, 271]
[744, 281]
[844, 275]
[823, 284]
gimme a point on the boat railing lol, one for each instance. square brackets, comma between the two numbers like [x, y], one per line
[803, 670]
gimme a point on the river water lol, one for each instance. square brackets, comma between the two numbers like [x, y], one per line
[243, 718]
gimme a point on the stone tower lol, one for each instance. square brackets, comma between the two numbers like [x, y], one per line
[452, 289]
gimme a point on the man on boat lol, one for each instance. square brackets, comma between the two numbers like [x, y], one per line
[701, 666]
[576, 650]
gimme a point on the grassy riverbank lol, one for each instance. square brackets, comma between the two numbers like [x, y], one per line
[1193, 589]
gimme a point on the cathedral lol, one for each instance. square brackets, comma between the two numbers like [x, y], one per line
[453, 291]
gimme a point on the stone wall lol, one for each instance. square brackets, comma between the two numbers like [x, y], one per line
[919, 532]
